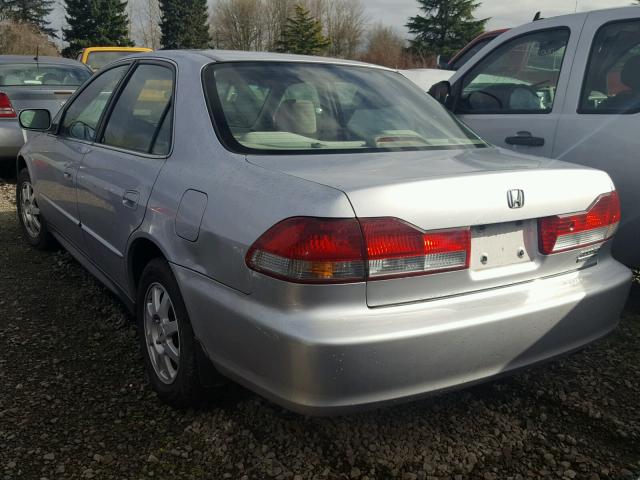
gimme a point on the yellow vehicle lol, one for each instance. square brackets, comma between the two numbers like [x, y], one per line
[98, 57]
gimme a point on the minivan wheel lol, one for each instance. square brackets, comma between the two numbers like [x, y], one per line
[166, 337]
[33, 225]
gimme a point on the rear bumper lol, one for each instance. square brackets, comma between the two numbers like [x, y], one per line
[11, 139]
[338, 358]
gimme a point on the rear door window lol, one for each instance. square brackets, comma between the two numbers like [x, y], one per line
[612, 79]
[519, 76]
[141, 118]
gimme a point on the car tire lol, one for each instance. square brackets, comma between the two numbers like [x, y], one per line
[31, 220]
[166, 337]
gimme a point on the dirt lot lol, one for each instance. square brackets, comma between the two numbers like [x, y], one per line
[74, 404]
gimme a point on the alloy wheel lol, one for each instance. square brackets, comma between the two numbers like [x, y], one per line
[161, 332]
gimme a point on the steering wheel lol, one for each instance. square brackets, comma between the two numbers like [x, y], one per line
[490, 95]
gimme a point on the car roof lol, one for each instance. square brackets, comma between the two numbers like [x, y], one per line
[41, 59]
[208, 56]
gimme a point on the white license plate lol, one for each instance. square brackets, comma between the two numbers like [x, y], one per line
[501, 244]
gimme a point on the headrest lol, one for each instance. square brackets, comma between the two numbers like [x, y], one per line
[297, 116]
[630, 74]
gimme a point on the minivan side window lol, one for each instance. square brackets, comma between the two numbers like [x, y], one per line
[612, 80]
[83, 115]
[519, 76]
[140, 120]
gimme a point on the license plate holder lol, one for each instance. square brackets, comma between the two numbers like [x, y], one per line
[501, 245]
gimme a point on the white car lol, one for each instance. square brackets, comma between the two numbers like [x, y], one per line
[425, 78]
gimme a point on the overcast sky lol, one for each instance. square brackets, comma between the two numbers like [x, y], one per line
[503, 13]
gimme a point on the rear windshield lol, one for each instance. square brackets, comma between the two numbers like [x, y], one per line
[305, 107]
[97, 60]
[25, 74]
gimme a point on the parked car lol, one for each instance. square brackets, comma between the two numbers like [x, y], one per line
[28, 82]
[98, 57]
[568, 88]
[318, 230]
[425, 78]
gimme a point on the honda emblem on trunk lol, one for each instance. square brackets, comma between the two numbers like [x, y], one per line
[515, 198]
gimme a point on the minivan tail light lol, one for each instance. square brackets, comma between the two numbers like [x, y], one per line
[6, 109]
[567, 232]
[310, 250]
[330, 250]
[396, 248]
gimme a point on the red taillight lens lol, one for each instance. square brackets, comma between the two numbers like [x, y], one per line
[324, 250]
[6, 109]
[566, 232]
[310, 250]
[396, 248]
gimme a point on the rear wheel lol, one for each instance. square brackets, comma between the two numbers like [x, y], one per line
[166, 337]
[33, 225]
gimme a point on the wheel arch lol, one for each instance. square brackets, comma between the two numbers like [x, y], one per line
[141, 251]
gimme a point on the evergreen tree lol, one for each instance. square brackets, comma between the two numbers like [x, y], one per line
[95, 23]
[32, 12]
[303, 34]
[184, 24]
[445, 26]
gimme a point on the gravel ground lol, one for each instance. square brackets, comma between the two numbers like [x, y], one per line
[74, 404]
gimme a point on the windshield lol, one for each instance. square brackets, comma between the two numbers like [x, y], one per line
[97, 60]
[305, 107]
[25, 74]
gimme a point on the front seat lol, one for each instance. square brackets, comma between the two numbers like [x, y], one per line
[629, 99]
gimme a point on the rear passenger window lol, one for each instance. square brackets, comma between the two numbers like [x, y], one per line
[519, 76]
[612, 80]
[141, 117]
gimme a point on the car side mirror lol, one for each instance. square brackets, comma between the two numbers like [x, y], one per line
[441, 91]
[443, 62]
[38, 120]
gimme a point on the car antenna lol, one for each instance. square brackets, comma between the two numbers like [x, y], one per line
[37, 53]
[537, 16]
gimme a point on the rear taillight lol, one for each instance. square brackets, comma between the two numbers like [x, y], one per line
[566, 232]
[310, 250]
[6, 109]
[396, 248]
[324, 250]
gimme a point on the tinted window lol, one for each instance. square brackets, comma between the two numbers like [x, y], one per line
[97, 60]
[272, 106]
[139, 113]
[612, 80]
[32, 74]
[83, 115]
[520, 76]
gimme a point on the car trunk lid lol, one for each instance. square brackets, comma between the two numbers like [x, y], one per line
[49, 97]
[441, 190]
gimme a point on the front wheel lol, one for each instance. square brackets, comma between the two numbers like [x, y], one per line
[31, 221]
[166, 337]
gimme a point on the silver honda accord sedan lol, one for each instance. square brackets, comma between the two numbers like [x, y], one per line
[320, 231]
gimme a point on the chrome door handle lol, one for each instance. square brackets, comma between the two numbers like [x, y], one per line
[67, 174]
[130, 199]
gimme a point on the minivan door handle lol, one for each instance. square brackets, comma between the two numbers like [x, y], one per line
[68, 174]
[526, 139]
[130, 199]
